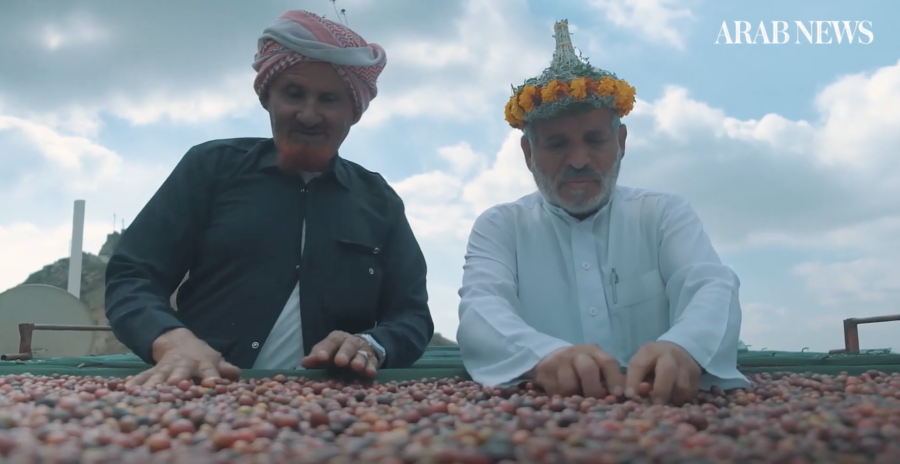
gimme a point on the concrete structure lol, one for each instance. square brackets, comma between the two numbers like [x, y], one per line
[77, 247]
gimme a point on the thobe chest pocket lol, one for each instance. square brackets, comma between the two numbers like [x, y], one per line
[638, 309]
[352, 296]
[630, 289]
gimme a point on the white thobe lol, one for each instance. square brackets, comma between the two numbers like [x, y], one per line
[641, 269]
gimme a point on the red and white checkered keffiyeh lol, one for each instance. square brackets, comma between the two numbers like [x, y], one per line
[299, 36]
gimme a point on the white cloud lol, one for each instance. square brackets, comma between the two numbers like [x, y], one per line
[78, 162]
[864, 280]
[445, 203]
[657, 21]
[74, 31]
[505, 180]
[231, 97]
[861, 117]
[462, 158]
[481, 57]
[31, 247]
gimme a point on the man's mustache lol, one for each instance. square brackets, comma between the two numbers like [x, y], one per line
[585, 173]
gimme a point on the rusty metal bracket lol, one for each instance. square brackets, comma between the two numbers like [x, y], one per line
[26, 331]
[851, 329]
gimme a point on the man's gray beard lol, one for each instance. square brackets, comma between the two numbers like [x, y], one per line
[548, 189]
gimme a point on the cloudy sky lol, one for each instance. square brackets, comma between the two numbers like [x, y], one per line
[788, 152]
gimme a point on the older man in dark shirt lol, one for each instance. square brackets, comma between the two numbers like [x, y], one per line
[294, 255]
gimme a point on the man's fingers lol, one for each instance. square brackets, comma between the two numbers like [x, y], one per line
[312, 362]
[364, 364]
[546, 380]
[641, 364]
[683, 391]
[348, 351]
[666, 374]
[207, 370]
[567, 379]
[360, 362]
[229, 371]
[589, 373]
[160, 375]
[326, 350]
[182, 371]
[371, 368]
[141, 378]
[612, 372]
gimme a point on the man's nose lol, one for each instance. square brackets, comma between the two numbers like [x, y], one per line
[308, 113]
[578, 157]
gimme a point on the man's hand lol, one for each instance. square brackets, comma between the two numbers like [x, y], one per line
[676, 376]
[343, 350]
[179, 355]
[580, 370]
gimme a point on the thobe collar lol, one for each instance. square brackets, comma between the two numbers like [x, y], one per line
[568, 219]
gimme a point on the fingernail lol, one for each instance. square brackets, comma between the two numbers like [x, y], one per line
[618, 391]
[323, 354]
[629, 392]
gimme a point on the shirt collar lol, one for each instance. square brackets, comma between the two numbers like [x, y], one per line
[268, 161]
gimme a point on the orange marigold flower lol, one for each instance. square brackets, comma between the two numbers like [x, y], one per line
[550, 91]
[625, 94]
[578, 88]
[508, 113]
[526, 98]
[517, 112]
[562, 91]
[606, 86]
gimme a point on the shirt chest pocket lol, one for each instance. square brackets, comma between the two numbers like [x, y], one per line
[639, 312]
[353, 286]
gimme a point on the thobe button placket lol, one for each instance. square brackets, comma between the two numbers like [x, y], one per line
[588, 283]
[254, 345]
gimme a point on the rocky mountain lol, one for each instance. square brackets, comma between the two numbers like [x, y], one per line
[92, 292]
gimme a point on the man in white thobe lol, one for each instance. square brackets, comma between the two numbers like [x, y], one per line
[572, 283]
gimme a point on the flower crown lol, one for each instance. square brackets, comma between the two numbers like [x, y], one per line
[569, 79]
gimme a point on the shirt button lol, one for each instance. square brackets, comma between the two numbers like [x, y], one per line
[297, 267]
[376, 251]
[371, 271]
[593, 311]
[255, 345]
[585, 265]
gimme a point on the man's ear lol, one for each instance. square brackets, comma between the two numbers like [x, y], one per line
[526, 150]
[622, 135]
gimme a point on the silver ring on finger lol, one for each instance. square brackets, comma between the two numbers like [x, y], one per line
[364, 354]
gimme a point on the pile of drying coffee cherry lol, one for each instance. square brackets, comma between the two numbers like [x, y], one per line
[783, 418]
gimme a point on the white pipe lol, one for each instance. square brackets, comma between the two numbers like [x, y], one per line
[75, 257]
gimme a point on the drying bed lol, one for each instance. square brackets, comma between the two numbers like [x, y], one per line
[798, 411]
